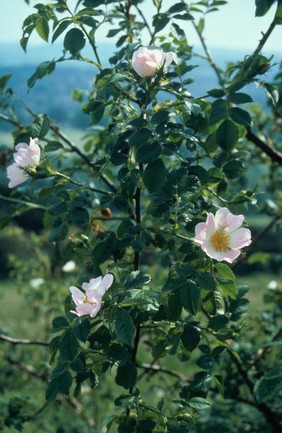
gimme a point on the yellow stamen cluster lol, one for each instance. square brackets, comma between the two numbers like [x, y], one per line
[220, 241]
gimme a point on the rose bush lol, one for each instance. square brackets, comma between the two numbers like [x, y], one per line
[159, 342]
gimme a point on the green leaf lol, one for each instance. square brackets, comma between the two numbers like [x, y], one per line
[233, 169]
[227, 134]
[148, 152]
[60, 29]
[216, 93]
[219, 111]
[43, 69]
[113, 32]
[269, 385]
[206, 281]
[140, 137]
[59, 323]
[218, 322]
[225, 271]
[190, 297]
[211, 144]
[64, 382]
[52, 390]
[126, 375]
[82, 329]
[155, 175]
[42, 28]
[190, 337]
[74, 41]
[198, 403]
[240, 98]
[263, 6]
[68, 346]
[53, 146]
[278, 14]
[136, 280]
[229, 288]
[4, 80]
[160, 21]
[40, 126]
[78, 215]
[177, 7]
[174, 306]
[104, 248]
[240, 116]
[125, 328]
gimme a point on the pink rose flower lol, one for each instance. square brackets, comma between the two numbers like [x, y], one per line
[26, 156]
[89, 300]
[147, 62]
[221, 236]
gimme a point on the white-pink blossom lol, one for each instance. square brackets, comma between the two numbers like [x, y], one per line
[221, 237]
[26, 156]
[88, 301]
[147, 62]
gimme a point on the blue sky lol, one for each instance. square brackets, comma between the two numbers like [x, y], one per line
[234, 26]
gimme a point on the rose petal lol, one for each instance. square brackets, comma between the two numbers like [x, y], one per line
[92, 285]
[84, 309]
[77, 295]
[221, 217]
[107, 281]
[94, 297]
[95, 310]
[200, 232]
[227, 256]
[16, 175]
[240, 238]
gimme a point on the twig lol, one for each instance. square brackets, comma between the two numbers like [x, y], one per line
[56, 130]
[27, 369]
[264, 38]
[9, 120]
[154, 368]
[31, 370]
[274, 154]
[209, 56]
[269, 415]
[25, 203]
[145, 22]
[23, 341]
[259, 236]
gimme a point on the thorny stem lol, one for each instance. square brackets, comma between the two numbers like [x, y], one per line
[264, 38]
[208, 54]
[25, 203]
[76, 150]
[145, 22]
[64, 176]
[56, 130]
[9, 120]
[136, 267]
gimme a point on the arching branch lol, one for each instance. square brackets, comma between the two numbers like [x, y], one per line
[274, 154]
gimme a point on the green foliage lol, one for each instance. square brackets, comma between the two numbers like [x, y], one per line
[170, 341]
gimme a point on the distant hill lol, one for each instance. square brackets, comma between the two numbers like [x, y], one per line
[52, 94]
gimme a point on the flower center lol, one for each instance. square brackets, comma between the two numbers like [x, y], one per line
[220, 240]
[86, 301]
